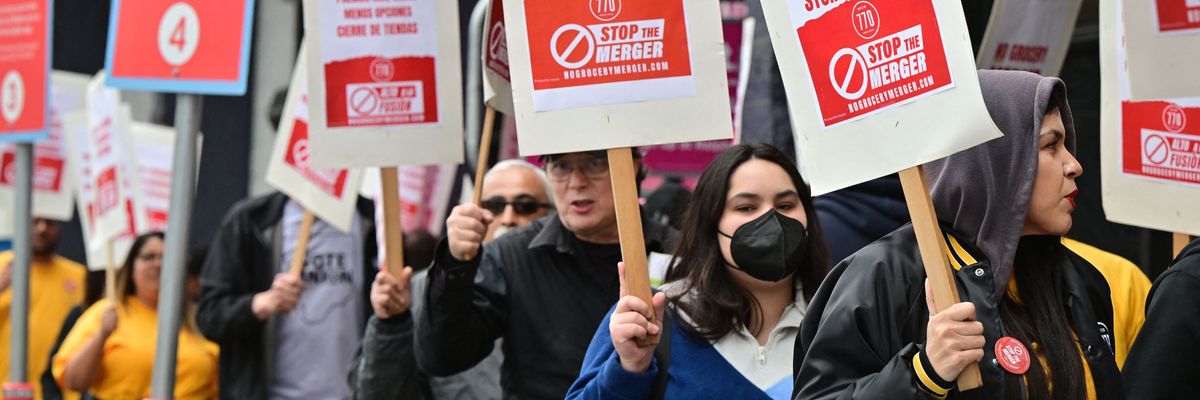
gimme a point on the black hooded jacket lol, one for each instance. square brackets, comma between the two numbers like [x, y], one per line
[868, 320]
[1162, 363]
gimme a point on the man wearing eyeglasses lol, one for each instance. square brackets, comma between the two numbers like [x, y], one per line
[516, 193]
[544, 288]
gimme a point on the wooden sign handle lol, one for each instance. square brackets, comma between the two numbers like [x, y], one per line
[300, 253]
[110, 275]
[485, 150]
[1178, 242]
[629, 225]
[937, 269]
[393, 235]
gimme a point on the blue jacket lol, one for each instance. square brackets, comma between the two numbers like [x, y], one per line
[696, 371]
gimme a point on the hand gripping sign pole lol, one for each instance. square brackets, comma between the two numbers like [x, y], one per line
[174, 61]
[862, 76]
[937, 270]
[616, 74]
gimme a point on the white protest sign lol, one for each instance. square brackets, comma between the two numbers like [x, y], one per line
[52, 196]
[386, 83]
[79, 154]
[331, 194]
[590, 75]
[497, 85]
[1163, 40]
[1028, 35]
[424, 195]
[1150, 150]
[876, 87]
[108, 125]
[154, 146]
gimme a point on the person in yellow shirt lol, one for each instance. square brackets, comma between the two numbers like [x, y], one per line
[56, 285]
[110, 351]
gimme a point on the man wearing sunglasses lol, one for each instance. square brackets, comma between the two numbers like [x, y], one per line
[516, 193]
[544, 288]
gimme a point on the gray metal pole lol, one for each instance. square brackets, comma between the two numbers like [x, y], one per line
[171, 283]
[474, 87]
[22, 258]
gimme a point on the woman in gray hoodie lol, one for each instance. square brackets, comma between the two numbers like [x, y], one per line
[1036, 317]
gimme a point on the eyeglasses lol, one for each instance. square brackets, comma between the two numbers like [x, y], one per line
[592, 168]
[521, 205]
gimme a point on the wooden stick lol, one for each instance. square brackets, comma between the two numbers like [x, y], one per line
[393, 235]
[937, 269]
[300, 253]
[485, 149]
[629, 225]
[110, 275]
[1178, 242]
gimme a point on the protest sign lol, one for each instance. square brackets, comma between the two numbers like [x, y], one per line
[25, 70]
[153, 146]
[1163, 45]
[1028, 35]
[854, 72]
[616, 73]
[180, 46]
[108, 123]
[386, 83]
[1150, 155]
[497, 85]
[878, 87]
[52, 185]
[98, 252]
[329, 193]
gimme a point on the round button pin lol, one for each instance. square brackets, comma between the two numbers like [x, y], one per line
[1012, 355]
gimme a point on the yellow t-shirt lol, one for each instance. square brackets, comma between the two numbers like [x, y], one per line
[128, 359]
[54, 289]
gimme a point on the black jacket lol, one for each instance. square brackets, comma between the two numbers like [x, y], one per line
[868, 320]
[1162, 363]
[539, 288]
[244, 255]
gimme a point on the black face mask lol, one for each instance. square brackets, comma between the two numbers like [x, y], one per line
[770, 247]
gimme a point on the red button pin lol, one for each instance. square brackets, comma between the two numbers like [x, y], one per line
[1012, 355]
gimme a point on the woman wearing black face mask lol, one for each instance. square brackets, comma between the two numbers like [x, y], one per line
[750, 256]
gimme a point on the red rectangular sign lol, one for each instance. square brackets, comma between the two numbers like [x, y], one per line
[189, 46]
[867, 56]
[496, 57]
[24, 69]
[1178, 15]
[1161, 140]
[332, 181]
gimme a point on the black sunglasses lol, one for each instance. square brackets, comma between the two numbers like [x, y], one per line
[521, 206]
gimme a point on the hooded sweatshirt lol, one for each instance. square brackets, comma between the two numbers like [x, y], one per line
[983, 192]
[864, 332]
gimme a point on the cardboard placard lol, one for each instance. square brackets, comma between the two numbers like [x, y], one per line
[1150, 158]
[108, 124]
[25, 29]
[79, 155]
[52, 184]
[386, 83]
[497, 82]
[424, 192]
[331, 194]
[1029, 35]
[876, 87]
[620, 73]
[154, 146]
[1163, 48]
[180, 46]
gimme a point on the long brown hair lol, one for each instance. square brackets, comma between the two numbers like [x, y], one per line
[126, 286]
[699, 264]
